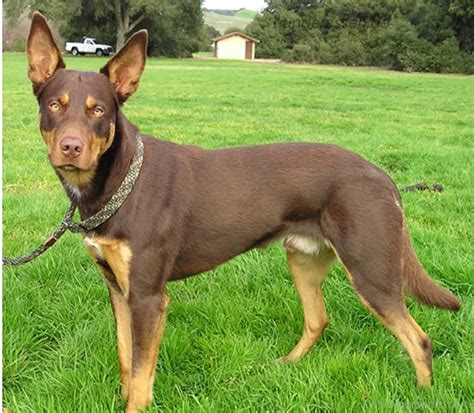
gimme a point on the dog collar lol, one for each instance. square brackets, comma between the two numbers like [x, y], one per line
[115, 202]
[95, 220]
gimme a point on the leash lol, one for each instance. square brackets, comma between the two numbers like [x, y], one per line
[63, 227]
[95, 220]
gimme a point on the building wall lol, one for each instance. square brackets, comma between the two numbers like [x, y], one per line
[231, 48]
[253, 50]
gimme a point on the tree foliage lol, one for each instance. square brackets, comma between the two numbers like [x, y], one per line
[178, 31]
[175, 28]
[232, 29]
[422, 35]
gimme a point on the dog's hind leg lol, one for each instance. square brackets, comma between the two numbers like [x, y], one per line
[148, 315]
[367, 236]
[394, 314]
[308, 272]
[415, 341]
[375, 273]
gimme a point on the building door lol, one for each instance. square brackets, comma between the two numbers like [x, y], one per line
[248, 49]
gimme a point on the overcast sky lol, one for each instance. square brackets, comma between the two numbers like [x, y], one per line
[234, 4]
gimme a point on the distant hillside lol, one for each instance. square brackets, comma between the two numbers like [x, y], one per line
[223, 19]
[246, 14]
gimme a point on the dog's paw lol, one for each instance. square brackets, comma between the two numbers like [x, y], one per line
[285, 359]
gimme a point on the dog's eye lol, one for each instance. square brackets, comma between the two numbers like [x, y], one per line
[54, 106]
[98, 111]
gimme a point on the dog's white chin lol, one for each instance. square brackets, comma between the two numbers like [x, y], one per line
[69, 168]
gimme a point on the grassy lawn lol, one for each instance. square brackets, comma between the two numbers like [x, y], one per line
[226, 328]
[222, 22]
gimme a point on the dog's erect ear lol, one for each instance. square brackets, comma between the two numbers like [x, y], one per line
[44, 57]
[126, 67]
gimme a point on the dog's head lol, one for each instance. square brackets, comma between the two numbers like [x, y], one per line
[78, 110]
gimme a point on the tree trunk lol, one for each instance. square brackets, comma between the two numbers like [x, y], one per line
[124, 26]
[120, 37]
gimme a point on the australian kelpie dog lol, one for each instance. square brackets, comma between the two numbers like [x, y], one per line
[192, 209]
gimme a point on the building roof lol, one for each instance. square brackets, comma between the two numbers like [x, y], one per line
[225, 36]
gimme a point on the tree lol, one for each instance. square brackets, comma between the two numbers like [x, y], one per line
[179, 22]
[124, 15]
[232, 29]
[427, 35]
[462, 12]
[212, 31]
[14, 8]
[177, 31]
[265, 29]
[128, 15]
[208, 34]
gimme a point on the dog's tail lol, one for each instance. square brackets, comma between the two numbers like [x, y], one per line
[418, 284]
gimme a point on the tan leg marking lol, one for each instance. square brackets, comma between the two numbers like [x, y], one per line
[123, 324]
[408, 332]
[117, 253]
[308, 272]
[415, 341]
[142, 379]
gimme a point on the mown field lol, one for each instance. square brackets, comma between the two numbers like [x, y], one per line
[222, 22]
[226, 328]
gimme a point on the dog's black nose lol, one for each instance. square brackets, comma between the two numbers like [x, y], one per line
[71, 146]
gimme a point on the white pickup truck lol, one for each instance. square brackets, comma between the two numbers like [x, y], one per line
[88, 46]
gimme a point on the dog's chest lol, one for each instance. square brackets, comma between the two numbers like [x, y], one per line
[113, 257]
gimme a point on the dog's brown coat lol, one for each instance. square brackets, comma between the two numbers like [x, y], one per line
[192, 209]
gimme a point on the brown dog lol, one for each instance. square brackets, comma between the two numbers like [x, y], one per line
[192, 209]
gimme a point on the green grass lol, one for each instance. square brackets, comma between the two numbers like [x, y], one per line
[226, 328]
[246, 14]
[206, 55]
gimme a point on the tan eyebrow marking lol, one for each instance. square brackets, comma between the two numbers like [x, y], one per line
[64, 99]
[90, 102]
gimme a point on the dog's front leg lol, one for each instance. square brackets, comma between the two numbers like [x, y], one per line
[123, 323]
[148, 316]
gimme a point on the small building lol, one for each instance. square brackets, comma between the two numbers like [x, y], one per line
[235, 45]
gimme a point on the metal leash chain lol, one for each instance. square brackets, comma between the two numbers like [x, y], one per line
[94, 221]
